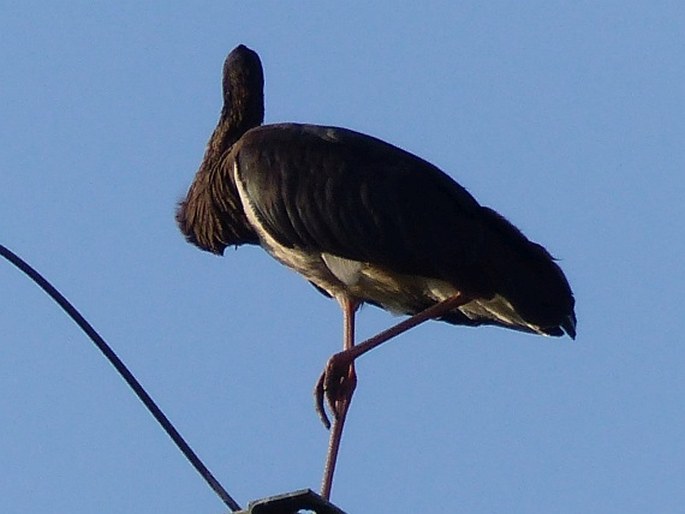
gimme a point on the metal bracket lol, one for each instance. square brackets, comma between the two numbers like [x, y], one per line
[292, 503]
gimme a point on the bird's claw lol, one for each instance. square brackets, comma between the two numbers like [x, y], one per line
[319, 394]
[335, 386]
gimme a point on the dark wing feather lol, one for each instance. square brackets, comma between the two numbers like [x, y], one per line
[325, 189]
[337, 191]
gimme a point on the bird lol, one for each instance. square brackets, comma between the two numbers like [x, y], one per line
[365, 222]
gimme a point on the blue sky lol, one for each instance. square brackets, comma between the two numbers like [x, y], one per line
[568, 118]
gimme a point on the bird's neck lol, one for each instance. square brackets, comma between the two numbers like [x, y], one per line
[224, 137]
[243, 109]
[211, 216]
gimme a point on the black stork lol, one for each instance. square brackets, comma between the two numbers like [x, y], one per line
[364, 222]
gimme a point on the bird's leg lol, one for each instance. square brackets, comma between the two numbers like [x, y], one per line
[339, 396]
[339, 363]
[338, 380]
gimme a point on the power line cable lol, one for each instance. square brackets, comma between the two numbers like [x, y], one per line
[121, 368]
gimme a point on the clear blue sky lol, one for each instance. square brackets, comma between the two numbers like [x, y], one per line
[567, 117]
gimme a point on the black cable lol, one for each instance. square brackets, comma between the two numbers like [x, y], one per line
[126, 374]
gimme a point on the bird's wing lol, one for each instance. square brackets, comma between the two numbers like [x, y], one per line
[341, 192]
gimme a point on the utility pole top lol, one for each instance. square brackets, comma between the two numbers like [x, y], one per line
[292, 503]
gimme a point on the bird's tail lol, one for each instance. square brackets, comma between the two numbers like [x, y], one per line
[531, 290]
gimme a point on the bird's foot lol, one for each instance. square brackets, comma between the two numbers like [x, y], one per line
[336, 384]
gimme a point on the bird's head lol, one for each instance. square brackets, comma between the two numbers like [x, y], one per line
[243, 91]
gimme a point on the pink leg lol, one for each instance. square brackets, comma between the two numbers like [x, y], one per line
[333, 376]
[347, 383]
[338, 380]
